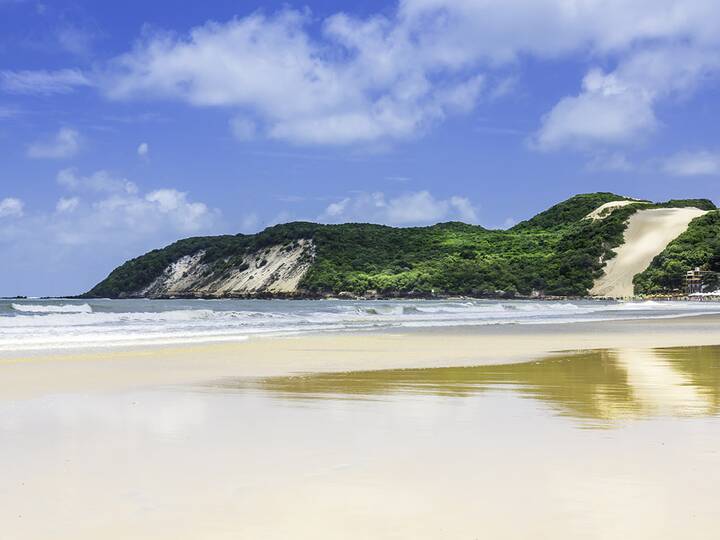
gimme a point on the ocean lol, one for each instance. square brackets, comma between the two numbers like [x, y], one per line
[37, 324]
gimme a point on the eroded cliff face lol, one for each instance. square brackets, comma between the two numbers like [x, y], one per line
[275, 270]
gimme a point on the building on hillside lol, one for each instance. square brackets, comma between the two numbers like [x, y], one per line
[693, 281]
[696, 280]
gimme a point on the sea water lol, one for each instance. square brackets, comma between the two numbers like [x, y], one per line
[29, 324]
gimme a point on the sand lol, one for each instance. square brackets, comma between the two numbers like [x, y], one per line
[604, 210]
[26, 374]
[647, 235]
[112, 445]
[178, 443]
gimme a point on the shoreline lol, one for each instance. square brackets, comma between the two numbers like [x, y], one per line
[25, 374]
[396, 297]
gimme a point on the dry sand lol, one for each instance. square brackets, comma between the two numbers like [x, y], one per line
[26, 374]
[604, 210]
[647, 235]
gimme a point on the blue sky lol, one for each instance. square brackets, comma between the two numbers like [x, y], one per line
[125, 126]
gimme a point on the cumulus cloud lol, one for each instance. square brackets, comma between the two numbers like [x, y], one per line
[11, 207]
[114, 215]
[64, 144]
[605, 111]
[697, 163]
[143, 149]
[419, 207]
[360, 82]
[121, 217]
[42, 82]
[393, 75]
[619, 107]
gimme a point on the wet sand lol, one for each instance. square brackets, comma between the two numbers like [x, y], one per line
[587, 430]
[25, 375]
[620, 443]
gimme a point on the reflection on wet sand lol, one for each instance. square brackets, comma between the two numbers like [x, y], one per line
[604, 385]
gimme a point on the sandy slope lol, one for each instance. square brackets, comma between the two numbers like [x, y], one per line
[603, 211]
[647, 235]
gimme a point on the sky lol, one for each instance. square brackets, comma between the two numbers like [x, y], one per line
[127, 125]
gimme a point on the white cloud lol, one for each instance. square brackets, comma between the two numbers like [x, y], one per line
[619, 107]
[411, 208]
[143, 149]
[393, 75]
[65, 143]
[67, 204]
[11, 207]
[605, 111]
[697, 163]
[357, 83]
[186, 216]
[42, 82]
[119, 214]
[84, 241]
[100, 181]
[464, 209]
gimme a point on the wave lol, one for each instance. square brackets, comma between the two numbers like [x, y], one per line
[118, 323]
[52, 308]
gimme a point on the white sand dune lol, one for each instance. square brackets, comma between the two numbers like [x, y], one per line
[603, 211]
[647, 235]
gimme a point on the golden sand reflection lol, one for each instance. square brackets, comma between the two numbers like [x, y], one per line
[605, 385]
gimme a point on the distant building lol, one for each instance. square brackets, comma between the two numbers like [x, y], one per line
[697, 280]
[693, 281]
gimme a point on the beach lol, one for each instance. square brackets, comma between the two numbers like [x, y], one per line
[32, 373]
[595, 429]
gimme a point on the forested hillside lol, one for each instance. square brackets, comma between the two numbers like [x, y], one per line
[557, 252]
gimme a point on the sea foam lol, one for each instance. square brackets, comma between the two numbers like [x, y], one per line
[52, 308]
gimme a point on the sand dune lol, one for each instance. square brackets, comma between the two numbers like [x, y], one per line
[603, 211]
[647, 235]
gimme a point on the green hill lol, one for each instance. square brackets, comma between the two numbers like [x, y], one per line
[556, 252]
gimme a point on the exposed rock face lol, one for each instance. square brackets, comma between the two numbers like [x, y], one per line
[273, 270]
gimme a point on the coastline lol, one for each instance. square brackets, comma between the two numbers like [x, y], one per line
[26, 374]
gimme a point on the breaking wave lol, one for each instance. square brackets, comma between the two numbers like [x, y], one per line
[54, 308]
[106, 323]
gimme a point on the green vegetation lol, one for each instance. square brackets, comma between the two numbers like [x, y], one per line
[567, 212]
[698, 246]
[702, 204]
[555, 253]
